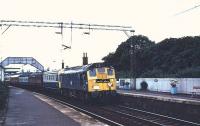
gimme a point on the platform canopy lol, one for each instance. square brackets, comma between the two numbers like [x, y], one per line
[22, 60]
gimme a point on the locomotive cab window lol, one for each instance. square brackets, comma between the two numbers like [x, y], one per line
[110, 71]
[101, 70]
[92, 73]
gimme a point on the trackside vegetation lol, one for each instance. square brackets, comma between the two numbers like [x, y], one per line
[172, 57]
[4, 91]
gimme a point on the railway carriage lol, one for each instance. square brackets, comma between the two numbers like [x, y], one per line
[50, 81]
[23, 79]
[35, 80]
[14, 80]
[88, 81]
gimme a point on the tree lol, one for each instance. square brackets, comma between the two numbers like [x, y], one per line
[173, 57]
[121, 58]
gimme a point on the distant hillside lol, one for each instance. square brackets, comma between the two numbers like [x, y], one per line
[174, 57]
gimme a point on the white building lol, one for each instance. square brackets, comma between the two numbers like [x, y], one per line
[184, 85]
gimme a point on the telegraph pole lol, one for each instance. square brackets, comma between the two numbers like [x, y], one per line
[132, 56]
[135, 64]
[131, 64]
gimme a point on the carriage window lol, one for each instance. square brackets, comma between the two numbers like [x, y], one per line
[101, 70]
[110, 72]
[92, 73]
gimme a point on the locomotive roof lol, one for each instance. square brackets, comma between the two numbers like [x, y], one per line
[80, 69]
[77, 69]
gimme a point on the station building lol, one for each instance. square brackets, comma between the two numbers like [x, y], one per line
[1, 73]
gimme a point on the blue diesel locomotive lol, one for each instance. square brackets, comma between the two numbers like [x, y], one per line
[88, 81]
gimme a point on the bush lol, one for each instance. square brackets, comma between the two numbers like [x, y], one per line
[189, 72]
[173, 57]
[3, 95]
[144, 85]
[122, 74]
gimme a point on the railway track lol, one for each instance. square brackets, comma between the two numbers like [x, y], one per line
[120, 115]
[167, 120]
[83, 110]
[149, 118]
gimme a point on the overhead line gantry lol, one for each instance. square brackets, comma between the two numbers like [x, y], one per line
[64, 25]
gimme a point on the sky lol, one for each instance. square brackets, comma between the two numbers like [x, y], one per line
[155, 19]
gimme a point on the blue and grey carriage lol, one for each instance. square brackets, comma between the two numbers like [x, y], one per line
[50, 81]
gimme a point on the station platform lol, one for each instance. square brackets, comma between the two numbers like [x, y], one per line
[177, 98]
[26, 108]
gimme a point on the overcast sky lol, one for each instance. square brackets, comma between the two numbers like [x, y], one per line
[154, 19]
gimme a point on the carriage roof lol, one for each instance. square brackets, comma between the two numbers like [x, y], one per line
[25, 74]
[50, 72]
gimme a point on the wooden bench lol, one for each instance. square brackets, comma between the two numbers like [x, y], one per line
[196, 91]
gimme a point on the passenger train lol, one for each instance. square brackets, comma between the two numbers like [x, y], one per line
[85, 82]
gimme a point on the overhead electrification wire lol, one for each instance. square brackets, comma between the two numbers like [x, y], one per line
[65, 25]
[39, 22]
[182, 12]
